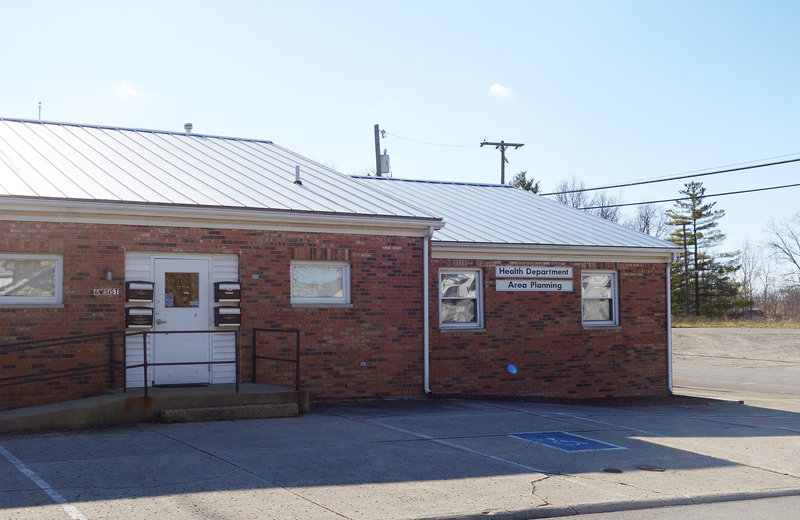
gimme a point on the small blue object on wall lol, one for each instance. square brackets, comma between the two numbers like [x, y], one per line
[567, 441]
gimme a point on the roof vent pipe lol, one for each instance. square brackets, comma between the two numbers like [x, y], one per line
[188, 127]
[297, 175]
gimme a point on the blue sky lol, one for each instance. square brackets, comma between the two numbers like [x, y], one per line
[606, 91]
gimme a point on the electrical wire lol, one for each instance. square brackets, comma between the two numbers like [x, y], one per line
[689, 198]
[433, 144]
[638, 183]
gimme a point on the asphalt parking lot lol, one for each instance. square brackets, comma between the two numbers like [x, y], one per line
[406, 459]
[450, 459]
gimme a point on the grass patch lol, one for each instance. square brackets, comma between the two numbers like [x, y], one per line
[680, 322]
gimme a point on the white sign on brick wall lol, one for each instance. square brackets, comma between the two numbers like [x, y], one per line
[531, 271]
[514, 284]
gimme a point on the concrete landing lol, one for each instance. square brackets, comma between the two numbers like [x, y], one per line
[122, 408]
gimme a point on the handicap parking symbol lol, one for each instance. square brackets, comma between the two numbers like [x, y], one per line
[566, 441]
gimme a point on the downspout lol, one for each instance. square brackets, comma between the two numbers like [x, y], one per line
[426, 310]
[669, 326]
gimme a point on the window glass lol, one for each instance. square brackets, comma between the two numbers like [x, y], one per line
[460, 299]
[30, 279]
[319, 282]
[181, 289]
[599, 301]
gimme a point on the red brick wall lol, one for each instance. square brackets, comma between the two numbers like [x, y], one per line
[382, 329]
[370, 349]
[541, 334]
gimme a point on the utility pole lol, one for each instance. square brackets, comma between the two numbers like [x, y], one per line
[377, 152]
[686, 270]
[502, 145]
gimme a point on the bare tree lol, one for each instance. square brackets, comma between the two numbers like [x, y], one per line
[573, 193]
[768, 299]
[650, 220]
[749, 265]
[785, 242]
[605, 206]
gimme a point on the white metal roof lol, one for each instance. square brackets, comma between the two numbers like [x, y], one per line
[93, 163]
[500, 214]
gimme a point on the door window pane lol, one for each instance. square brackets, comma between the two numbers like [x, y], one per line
[181, 289]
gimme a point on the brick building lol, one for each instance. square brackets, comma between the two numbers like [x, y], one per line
[115, 237]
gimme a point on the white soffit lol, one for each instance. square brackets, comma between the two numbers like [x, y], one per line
[481, 214]
[93, 163]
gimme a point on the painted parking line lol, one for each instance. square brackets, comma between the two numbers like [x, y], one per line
[459, 447]
[54, 495]
[567, 441]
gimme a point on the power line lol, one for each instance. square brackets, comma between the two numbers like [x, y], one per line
[688, 198]
[638, 183]
[432, 144]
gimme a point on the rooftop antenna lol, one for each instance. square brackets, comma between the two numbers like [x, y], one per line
[40, 110]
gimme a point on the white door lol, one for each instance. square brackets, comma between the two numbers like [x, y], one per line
[181, 304]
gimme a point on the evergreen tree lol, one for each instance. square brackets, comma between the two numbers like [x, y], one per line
[520, 180]
[709, 279]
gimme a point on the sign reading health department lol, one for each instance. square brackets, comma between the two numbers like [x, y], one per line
[531, 271]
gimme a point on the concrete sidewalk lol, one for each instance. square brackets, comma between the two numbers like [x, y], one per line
[408, 459]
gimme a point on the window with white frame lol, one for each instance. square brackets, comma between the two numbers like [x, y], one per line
[320, 282]
[30, 279]
[600, 306]
[460, 305]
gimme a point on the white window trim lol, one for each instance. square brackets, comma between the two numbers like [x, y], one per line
[478, 299]
[344, 300]
[56, 299]
[589, 324]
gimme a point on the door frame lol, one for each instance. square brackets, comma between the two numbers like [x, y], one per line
[208, 292]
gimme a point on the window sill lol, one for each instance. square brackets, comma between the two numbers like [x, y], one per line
[322, 305]
[448, 330]
[601, 327]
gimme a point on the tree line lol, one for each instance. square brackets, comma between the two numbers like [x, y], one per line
[751, 281]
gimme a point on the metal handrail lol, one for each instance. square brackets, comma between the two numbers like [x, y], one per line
[22, 346]
[145, 363]
[296, 360]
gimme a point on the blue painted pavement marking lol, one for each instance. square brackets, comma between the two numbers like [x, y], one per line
[567, 441]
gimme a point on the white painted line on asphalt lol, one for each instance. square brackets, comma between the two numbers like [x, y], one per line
[492, 457]
[71, 510]
[686, 441]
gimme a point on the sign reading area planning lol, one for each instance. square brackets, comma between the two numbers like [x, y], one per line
[567, 441]
[533, 285]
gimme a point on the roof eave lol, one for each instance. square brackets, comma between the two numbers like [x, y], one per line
[142, 214]
[551, 252]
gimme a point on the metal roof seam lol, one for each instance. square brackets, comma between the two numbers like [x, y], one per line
[84, 135]
[290, 164]
[14, 132]
[78, 169]
[248, 155]
[177, 159]
[93, 161]
[257, 185]
[147, 170]
[14, 169]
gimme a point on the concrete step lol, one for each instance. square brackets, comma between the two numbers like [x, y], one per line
[229, 413]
